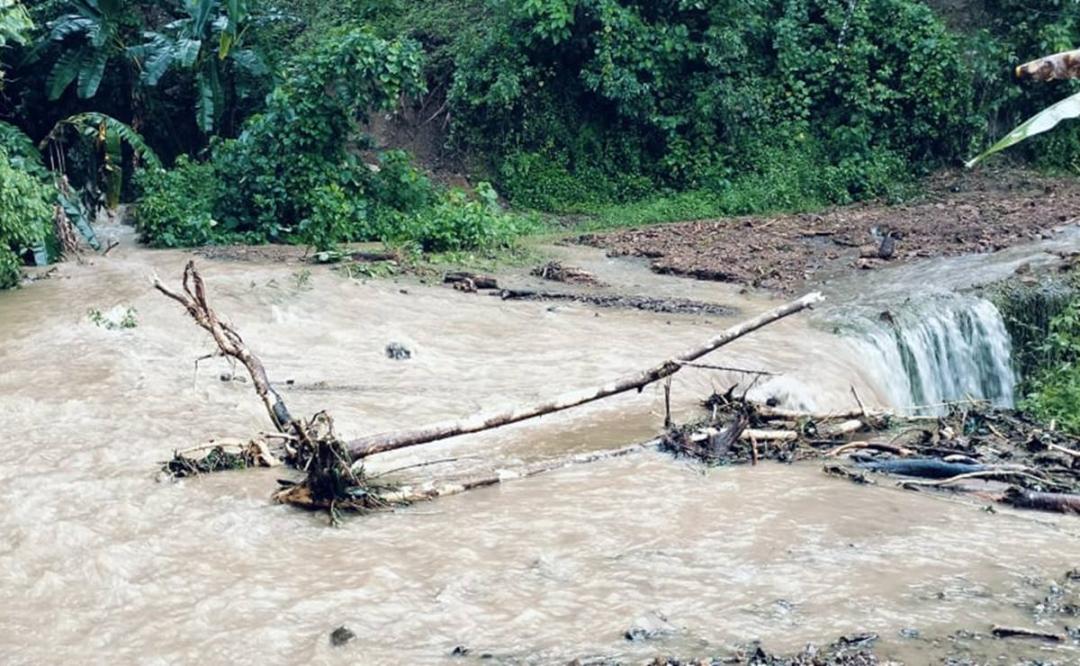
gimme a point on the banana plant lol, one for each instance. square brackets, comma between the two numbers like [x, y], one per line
[208, 43]
[88, 37]
[98, 128]
[1065, 65]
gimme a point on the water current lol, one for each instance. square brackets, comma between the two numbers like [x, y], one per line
[100, 563]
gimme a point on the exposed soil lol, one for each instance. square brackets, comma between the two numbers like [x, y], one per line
[961, 213]
[283, 254]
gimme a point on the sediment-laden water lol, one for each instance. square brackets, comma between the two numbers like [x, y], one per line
[102, 564]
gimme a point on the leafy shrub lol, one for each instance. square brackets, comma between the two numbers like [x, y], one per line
[399, 186]
[176, 206]
[458, 223]
[301, 141]
[569, 95]
[1056, 389]
[335, 218]
[25, 214]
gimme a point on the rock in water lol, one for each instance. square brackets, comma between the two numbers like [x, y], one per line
[398, 351]
[649, 627]
[341, 636]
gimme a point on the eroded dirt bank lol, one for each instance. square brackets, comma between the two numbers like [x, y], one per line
[961, 213]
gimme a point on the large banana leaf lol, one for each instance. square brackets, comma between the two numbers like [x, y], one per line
[158, 56]
[63, 72]
[200, 11]
[188, 51]
[91, 73]
[1042, 121]
[204, 103]
[1064, 65]
[93, 120]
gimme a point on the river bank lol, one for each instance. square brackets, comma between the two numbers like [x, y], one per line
[959, 213]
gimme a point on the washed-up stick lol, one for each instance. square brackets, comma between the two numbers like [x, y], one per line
[389, 441]
[726, 368]
[984, 474]
[1062, 449]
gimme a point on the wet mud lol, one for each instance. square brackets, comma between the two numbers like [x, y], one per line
[962, 213]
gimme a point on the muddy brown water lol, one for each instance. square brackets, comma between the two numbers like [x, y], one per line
[100, 563]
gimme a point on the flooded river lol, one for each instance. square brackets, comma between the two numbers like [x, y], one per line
[100, 563]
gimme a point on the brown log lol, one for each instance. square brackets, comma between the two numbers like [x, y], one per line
[1064, 65]
[366, 446]
[1020, 632]
[474, 279]
[1059, 502]
[228, 341]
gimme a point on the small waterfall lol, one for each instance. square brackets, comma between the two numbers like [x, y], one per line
[946, 348]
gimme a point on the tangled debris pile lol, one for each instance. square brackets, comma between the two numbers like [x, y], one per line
[220, 455]
[846, 651]
[999, 455]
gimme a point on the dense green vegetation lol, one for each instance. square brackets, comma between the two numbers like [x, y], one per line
[630, 111]
[1054, 389]
[1043, 322]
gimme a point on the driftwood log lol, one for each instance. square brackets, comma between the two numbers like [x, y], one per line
[335, 474]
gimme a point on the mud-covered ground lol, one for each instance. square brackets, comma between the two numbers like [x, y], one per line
[960, 213]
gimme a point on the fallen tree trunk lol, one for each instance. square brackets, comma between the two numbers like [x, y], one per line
[1064, 65]
[389, 441]
[300, 494]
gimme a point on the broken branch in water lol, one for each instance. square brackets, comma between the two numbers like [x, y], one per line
[229, 342]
